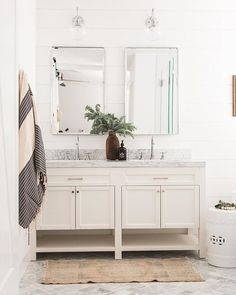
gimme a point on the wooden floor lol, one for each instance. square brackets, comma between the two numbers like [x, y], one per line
[219, 281]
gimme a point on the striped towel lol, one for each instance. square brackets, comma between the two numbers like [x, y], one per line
[32, 164]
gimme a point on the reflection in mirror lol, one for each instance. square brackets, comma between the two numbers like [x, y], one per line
[151, 93]
[77, 81]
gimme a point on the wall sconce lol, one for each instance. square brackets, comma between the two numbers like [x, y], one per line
[152, 26]
[78, 25]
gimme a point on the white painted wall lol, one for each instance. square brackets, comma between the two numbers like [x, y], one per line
[204, 31]
[17, 50]
[25, 53]
[8, 151]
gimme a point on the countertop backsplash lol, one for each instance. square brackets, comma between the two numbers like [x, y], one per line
[134, 154]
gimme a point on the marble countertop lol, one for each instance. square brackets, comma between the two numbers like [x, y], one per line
[122, 164]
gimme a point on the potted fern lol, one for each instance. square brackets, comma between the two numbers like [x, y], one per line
[108, 123]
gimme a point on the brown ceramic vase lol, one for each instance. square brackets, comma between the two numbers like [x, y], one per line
[112, 145]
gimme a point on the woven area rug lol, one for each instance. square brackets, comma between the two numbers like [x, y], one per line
[119, 271]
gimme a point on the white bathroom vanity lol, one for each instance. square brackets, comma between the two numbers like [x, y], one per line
[139, 205]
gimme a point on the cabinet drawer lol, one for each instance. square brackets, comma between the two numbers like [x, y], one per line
[159, 176]
[78, 177]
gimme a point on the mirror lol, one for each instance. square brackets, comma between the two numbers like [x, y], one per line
[151, 89]
[77, 81]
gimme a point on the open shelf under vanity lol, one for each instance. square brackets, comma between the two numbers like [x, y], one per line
[159, 242]
[74, 241]
[104, 241]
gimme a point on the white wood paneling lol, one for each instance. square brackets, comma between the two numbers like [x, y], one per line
[44, 111]
[202, 30]
[115, 75]
[43, 94]
[43, 75]
[110, 18]
[141, 4]
[43, 55]
[117, 108]
[107, 4]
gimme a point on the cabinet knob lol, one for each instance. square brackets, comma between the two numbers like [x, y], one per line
[158, 191]
[162, 191]
[73, 192]
[77, 192]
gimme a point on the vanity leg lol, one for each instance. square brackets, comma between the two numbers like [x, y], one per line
[118, 255]
[200, 179]
[202, 244]
[32, 241]
[118, 228]
[202, 253]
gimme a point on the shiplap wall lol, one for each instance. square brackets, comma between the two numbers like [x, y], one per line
[204, 31]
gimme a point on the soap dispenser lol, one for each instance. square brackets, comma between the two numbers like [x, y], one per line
[122, 153]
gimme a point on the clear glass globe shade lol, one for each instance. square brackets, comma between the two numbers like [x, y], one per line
[153, 34]
[78, 32]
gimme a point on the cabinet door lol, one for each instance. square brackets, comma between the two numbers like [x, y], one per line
[95, 207]
[58, 209]
[141, 206]
[179, 206]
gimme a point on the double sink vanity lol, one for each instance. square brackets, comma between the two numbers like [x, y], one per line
[117, 206]
[134, 205]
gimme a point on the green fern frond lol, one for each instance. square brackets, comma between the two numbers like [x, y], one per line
[103, 123]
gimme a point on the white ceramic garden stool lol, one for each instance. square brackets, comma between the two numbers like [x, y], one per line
[221, 237]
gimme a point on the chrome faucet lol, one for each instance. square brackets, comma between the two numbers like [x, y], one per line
[152, 148]
[77, 156]
[140, 156]
[87, 156]
[162, 155]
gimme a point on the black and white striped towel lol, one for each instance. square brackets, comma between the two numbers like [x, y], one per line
[32, 164]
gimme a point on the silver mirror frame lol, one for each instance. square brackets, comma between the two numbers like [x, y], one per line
[52, 109]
